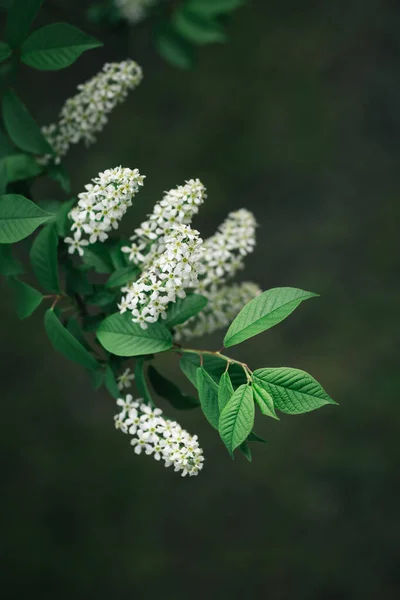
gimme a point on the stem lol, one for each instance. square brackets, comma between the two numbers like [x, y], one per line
[228, 359]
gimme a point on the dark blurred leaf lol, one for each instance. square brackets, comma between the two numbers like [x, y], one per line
[5, 51]
[245, 449]
[8, 264]
[56, 46]
[18, 167]
[19, 20]
[197, 28]
[175, 49]
[98, 257]
[111, 383]
[59, 174]
[62, 222]
[214, 365]
[169, 391]
[65, 343]
[21, 127]
[122, 276]
[214, 7]
[27, 299]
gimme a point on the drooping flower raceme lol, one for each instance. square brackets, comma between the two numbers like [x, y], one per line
[225, 250]
[85, 114]
[224, 304]
[175, 270]
[134, 10]
[178, 206]
[158, 437]
[102, 206]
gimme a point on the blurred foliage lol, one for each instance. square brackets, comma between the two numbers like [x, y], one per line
[297, 119]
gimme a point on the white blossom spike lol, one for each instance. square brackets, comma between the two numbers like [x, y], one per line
[101, 207]
[158, 437]
[85, 114]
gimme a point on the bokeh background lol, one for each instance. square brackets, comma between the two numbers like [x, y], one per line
[296, 118]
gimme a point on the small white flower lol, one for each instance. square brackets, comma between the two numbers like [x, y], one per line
[125, 379]
[76, 243]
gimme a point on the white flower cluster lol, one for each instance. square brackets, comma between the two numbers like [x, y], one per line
[102, 206]
[178, 206]
[169, 275]
[159, 437]
[224, 304]
[134, 10]
[225, 251]
[85, 114]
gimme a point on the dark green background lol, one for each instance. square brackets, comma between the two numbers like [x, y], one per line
[297, 118]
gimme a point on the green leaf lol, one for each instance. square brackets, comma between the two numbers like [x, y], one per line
[59, 174]
[196, 28]
[62, 222]
[27, 299]
[141, 384]
[174, 49]
[213, 7]
[263, 312]
[184, 308]
[8, 264]
[19, 217]
[75, 329]
[253, 437]
[19, 20]
[225, 391]
[111, 383]
[214, 365]
[122, 276]
[208, 394]
[21, 127]
[237, 418]
[294, 392]
[119, 335]
[56, 46]
[98, 378]
[18, 167]
[65, 343]
[263, 399]
[102, 297]
[44, 259]
[5, 51]
[169, 391]
[245, 449]
[98, 257]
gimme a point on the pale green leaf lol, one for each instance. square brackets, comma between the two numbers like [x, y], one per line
[263, 312]
[225, 391]
[263, 398]
[27, 299]
[19, 217]
[184, 308]
[21, 127]
[56, 46]
[237, 418]
[19, 20]
[119, 335]
[208, 395]
[44, 259]
[293, 391]
[65, 343]
[214, 365]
